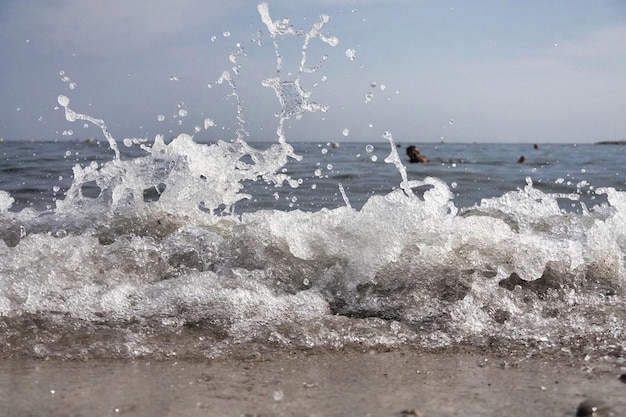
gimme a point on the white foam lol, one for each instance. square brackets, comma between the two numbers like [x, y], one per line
[6, 201]
[405, 261]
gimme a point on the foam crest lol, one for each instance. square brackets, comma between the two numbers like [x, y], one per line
[6, 201]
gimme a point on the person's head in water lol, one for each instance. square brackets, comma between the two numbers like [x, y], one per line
[414, 154]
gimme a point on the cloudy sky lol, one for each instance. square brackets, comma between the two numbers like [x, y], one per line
[425, 70]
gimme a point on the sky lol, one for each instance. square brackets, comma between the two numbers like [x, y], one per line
[424, 70]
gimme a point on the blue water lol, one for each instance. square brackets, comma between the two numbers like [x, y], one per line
[32, 170]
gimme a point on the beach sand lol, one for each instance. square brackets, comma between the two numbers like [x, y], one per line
[397, 383]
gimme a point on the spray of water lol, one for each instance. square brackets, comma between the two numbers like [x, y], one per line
[165, 260]
[205, 178]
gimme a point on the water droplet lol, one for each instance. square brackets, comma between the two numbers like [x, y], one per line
[369, 148]
[451, 121]
[374, 158]
[174, 78]
[63, 100]
[182, 113]
[318, 173]
[351, 54]
[453, 185]
[369, 97]
[226, 34]
[346, 132]
[208, 122]
[160, 117]
[329, 167]
[373, 84]
[324, 151]
[56, 188]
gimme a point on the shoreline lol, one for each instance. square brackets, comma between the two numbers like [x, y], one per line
[396, 383]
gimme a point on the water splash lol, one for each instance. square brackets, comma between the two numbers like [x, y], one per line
[393, 158]
[186, 171]
[72, 116]
[294, 100]
[157, 265]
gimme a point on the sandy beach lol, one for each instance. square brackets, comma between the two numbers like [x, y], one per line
[331, 384]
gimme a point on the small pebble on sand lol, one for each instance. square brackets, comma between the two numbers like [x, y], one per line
[592, 408]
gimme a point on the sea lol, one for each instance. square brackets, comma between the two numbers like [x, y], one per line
[187, 249]
[181, 247]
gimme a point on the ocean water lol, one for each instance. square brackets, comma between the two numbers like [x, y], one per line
[182, 248]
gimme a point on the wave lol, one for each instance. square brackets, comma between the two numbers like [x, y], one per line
[146, 257]
[120, 275]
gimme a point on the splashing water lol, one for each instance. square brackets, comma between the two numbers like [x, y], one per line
[156, 263]
[191, 166]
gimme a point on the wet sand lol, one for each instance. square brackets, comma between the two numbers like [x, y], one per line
[331, 384]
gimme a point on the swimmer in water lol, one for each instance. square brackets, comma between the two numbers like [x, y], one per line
[414, 154]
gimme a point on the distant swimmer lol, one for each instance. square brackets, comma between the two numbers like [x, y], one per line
[414, 154]
[521, 159]
[536, 146]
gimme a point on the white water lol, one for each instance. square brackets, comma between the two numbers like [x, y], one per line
[158, 264]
